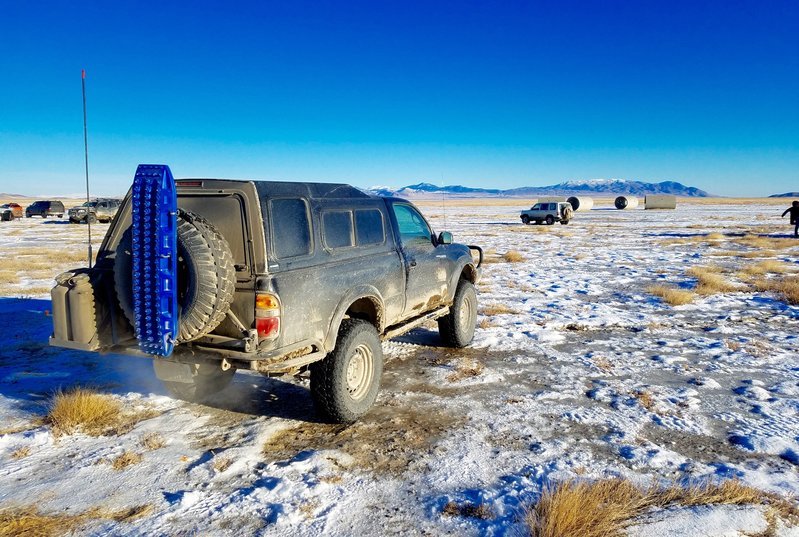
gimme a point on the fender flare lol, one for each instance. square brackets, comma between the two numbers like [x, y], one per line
[464, 265]
[363, 291]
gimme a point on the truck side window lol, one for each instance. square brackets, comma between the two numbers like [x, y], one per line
[412, 226]
[291, 227]
[337, 229]
[369, 227]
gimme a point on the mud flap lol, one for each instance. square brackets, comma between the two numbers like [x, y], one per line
[154, 253]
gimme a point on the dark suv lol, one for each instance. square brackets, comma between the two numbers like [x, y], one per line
[275, 277]
[45, 209]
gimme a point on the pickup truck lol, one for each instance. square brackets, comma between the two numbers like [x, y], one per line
[208, 276]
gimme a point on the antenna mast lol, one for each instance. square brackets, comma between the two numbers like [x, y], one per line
[86, 159]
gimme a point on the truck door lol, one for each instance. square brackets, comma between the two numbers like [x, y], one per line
[426, 275]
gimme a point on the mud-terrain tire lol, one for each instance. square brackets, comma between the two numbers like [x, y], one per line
[457, 327]
[525, 219]
[206, 276]
[91, 218]
[550, 219]
[564, 222]
[197, 381]
[344, 385]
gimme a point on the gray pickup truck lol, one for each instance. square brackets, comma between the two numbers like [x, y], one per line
[279, 278]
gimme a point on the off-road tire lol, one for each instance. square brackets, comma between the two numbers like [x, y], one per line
[550, 219]
[564, 222]
[203, 380]
[206, 276]
[344, 390]
[457, 327]
[91, 218]
[525, 219]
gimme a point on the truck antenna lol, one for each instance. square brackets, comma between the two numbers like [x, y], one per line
[86, 159]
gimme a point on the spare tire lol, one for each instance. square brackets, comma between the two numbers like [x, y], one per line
[206, 276]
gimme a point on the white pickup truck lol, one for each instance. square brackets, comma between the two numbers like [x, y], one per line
[549, 212]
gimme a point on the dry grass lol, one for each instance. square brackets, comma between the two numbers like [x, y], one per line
[222, 463]
[469, 510]
[21, 453]
[128, 458]
[84, 410]
[786, 287]
[710, 282]
[645, 398]
[513, 256]
[485, 323]
[498, 309]
[769, 266]
[766, 243]
[9, 276]
[604, 508]
[29, 521]
[152, 441]
[671, 295]
[466, 368]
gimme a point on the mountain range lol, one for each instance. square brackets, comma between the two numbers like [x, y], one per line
[596, 186]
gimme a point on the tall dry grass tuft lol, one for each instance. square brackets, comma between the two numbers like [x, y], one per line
[513, 256]
[786, 287]
[710, 282]
[28, 521]
[83, 409]
[604, 508]
[769, 266]
[671, 295]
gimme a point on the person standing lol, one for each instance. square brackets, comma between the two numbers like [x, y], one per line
[794, 210]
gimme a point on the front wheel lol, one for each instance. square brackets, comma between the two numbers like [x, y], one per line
[457, 327]
[344, 385]
[92, 219]
[550, 219]
[525, 219]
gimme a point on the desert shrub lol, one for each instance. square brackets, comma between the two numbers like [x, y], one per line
[671, 295]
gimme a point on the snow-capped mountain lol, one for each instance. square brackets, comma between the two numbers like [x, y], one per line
[594, 186]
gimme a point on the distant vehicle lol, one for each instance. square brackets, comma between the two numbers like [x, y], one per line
[548, 213]
[10, 211]
[45, 208]
[102, 210]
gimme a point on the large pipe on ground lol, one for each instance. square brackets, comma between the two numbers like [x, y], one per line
[581, 204]
[661, 202]
[626, 202]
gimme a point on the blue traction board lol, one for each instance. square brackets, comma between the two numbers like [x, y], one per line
[154, 234]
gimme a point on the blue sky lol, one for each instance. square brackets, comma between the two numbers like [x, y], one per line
[499, 94]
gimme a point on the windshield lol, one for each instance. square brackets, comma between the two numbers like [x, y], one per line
[89, 204]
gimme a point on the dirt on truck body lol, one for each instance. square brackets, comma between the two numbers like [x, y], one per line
[280, 278]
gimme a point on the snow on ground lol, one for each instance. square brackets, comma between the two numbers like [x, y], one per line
[587, 376]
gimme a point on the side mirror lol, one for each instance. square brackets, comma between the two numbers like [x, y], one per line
[445, 237]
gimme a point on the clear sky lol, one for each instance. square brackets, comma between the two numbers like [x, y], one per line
[499, 94]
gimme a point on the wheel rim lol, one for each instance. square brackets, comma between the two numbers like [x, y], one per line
[466, 312]
[360, 370]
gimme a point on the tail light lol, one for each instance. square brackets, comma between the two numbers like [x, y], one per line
[267, 315]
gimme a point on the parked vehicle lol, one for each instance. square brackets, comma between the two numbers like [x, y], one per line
[279, 278]
[549, 213]
[10, 211]
[102, 210]
[45, 208]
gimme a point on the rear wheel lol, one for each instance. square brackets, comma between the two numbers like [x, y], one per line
[564, 222]
[457, 327]
[192, 382]
[344, 385]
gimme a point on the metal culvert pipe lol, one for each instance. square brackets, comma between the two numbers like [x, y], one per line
[581, 204]
[626, 202]
[661, 202]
